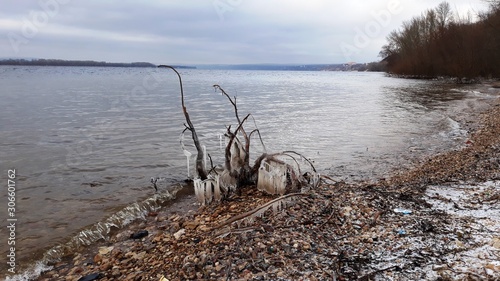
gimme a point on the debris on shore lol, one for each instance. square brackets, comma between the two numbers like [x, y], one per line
[438, 221]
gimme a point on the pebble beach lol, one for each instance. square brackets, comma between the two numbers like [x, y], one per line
[439, 220]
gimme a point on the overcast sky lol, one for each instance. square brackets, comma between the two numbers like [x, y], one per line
[207, 31]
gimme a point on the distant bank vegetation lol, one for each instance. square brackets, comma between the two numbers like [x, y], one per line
[372, 66]
[441, 43]
[58, 62]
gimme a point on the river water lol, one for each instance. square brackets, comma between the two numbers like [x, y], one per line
[85, 141]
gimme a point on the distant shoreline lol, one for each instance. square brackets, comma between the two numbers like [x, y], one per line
[360, 67]
[57, 62]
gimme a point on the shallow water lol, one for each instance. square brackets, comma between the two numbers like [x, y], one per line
[85, 142]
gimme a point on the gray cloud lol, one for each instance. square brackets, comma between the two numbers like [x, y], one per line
[205, 31]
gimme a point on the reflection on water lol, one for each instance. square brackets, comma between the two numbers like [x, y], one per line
[86, 141]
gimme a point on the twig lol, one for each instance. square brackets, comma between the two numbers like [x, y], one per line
[211, 165]
[368, 276]
[305, 158]
[265, 206]
[228, 271]
[328, 178]
[329, 218]
[375, 218]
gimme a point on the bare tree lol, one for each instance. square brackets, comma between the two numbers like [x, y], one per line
[444, 15]
[274, 173]
[437, 43]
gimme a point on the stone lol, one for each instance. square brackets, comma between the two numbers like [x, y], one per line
[139, 234]
[91, 277]
[105, 266]
[191, 225]
[105, 250]
[495, 242]
[179, 233]
[97, 258]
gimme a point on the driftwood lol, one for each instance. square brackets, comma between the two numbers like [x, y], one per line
[200, 168]
[275, 173]
[276, 204]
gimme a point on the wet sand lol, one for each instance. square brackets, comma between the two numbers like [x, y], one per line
[422, 223]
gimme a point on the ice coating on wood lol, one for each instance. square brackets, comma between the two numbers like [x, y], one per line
[226, 182]
[238, 154]
[272, 177]
[207, 190]
[185, 151]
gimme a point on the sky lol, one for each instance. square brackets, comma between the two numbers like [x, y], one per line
[195, 32]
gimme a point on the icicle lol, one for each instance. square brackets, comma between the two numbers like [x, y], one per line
[199, 190]
[243, 153]
[207, 184]
[217, 194]
[263, 177]
[272, 178]
[235, 156]
[315, 179]
[207, 190]
[205, 155]
[226, 182]
[223, 141]
[186, 153]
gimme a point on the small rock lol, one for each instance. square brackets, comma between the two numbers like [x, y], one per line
[75, 270]
[179, 233]
[495, 242]
[97, 258]
[105, 250]
[191, 225]
[116, 253]
[439, 267]
[152, 214]
[139, 256]
[139, 234]
[105, 266]
[204, 228]
[157, 238]
[91, 277]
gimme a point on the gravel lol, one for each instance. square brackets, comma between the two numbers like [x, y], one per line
[436, 221]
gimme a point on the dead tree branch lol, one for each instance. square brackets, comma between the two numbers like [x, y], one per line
[200, 168]
[271, 172]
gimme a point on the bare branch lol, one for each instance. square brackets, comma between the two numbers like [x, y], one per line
[199, 158]
[240, 122]
[212, 169]
[305, 158]
[217, 87]
[260, 138]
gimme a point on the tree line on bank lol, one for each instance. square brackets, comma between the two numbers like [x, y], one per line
[59, 62]
[441, 43]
